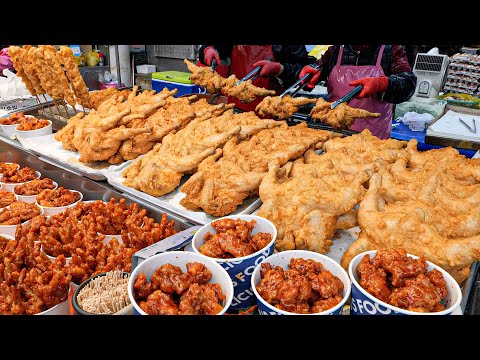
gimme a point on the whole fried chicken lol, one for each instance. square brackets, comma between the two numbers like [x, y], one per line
[415, 227]
[342, 117]
[160, 170]
[219, 186]
[304, 201]
[281, 108]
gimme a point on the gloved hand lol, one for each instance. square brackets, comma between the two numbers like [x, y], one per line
[313, 80]
[371, 85]
[209, 54]
[269, 68]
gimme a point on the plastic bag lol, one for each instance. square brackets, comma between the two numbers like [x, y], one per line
[5, 61]
[92, 58]
[416, 121]
[318, 51]
[436, 108]
[12, 86]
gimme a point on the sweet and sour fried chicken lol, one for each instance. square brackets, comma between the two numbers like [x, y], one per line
[306, 287]
[6, 198]
[20, 176]
[233, 239]
[172, 291]
[34, 187]
[402, 281]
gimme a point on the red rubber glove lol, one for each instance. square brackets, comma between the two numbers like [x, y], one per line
[371, 86]
[209, 54]
[269, 68]
[313, 80]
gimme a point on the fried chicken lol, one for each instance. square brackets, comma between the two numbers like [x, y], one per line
[17, 54]
[58, 197]
[6, 198]
[418, 228]
[342, 117]
[18, 212]
[219, 186]
[20, 176]
[98, 97]
[32, 124]
[281, 108]
[160, 170]
[205, 77]
[304, 201]
[310, 290]
[34, 187]
[245, 92]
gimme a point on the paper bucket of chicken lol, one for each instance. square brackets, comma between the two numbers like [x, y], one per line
[180, 283]
[392, 282]
[300, 282]
[238, 243]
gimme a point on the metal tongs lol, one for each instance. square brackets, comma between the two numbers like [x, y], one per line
[348, 96]
[252, 75]
[213, 64]
[474, 130]
[297, 83]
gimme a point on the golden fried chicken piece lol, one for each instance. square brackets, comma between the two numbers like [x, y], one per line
[47, 74]
[20, 176]
[160, 171]
[281, 108]
[58, 74]
[203, 76]
[58, 197]
[8, 169]
[98, 97]
[67, 59]
[342, 117]
[17, 55]
[417, 228]
[304, 201]
[65, 134]
[220, 186]
[31, 69]
[245, 92]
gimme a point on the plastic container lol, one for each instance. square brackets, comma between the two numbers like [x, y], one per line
[240, 269]
[11, 186]
[363, 303]
[49, 211]
[78, 310]
[180, 259]
[436, 108]
[46, 130]
[282, 259]
[31, 199]
[62, 308]
[175, 79]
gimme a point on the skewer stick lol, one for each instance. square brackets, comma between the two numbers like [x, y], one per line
[84, 110]
[58, 109]
[66, 109]
[49, 108]
[40, 102]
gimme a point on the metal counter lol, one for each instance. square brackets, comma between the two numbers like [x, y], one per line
[91, 190]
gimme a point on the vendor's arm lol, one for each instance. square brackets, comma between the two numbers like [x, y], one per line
[395, 88]
[224, 52]
[402, 81]
[292, 58]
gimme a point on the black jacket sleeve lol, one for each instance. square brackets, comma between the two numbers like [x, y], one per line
[293, 58]
[224, 51]
[401, 87]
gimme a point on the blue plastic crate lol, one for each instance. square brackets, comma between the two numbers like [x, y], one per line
[183, 89]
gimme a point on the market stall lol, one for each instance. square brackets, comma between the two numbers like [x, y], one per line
[296, 184]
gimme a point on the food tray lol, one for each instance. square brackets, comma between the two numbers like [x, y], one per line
[171, 202]
[52, 150]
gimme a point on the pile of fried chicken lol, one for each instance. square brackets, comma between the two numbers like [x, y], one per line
[427, 203]
[245, 92]
[160, 171]
[171, 291]
[46, 71]
[123, 128]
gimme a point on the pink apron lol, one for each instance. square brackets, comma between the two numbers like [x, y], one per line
[337, 87]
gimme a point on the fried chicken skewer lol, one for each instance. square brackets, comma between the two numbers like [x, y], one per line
[67, 59]
[17, 55]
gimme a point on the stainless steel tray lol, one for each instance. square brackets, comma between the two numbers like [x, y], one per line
[171, 201]
[91, 190]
